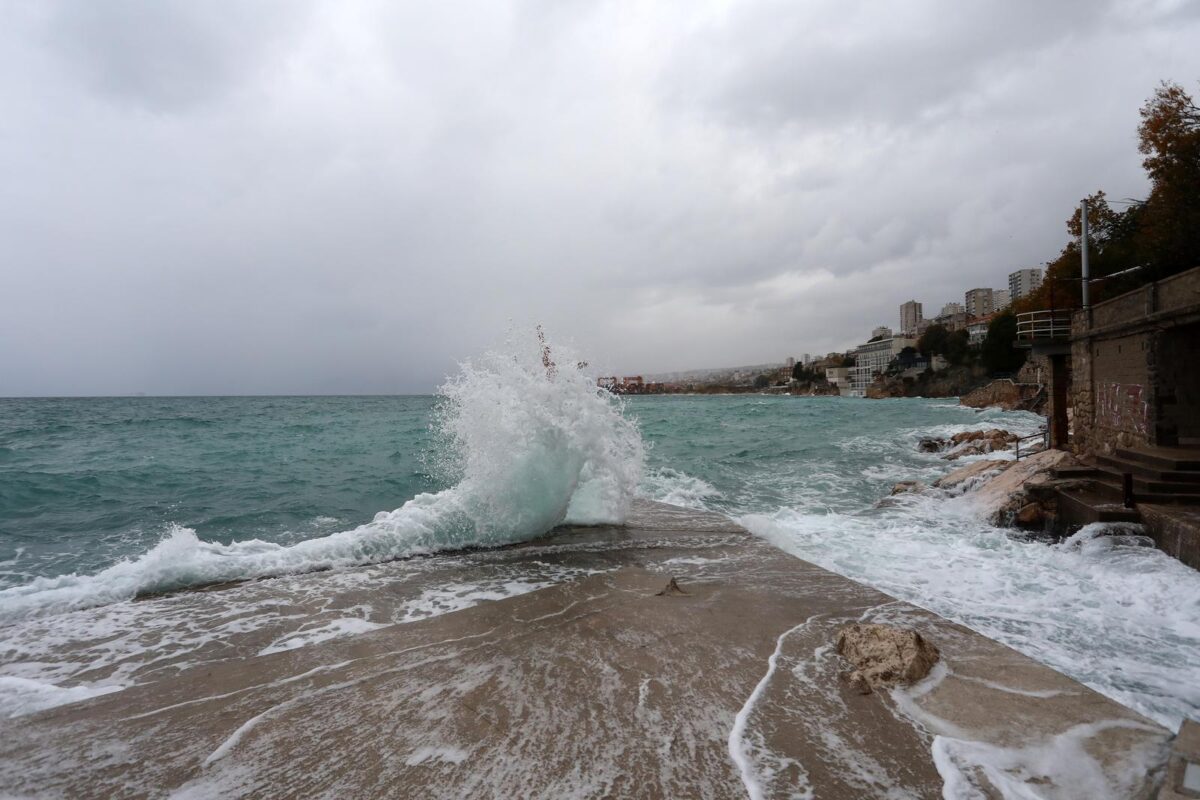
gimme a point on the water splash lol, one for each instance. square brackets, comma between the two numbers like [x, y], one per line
[532, 440]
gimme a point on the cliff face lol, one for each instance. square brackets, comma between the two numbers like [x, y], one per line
[815, 389]
[950, 382]
[1007, 395]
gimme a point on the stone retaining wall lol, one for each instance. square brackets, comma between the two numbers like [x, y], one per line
[1132, 380]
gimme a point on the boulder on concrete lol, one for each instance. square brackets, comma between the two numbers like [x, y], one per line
[885, 655]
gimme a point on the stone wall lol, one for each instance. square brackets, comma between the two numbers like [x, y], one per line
[1036, 370]
[1133, 376]
[1178, 395]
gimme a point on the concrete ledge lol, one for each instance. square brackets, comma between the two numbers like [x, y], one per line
[600, 686]
[1175, 530]
[1183, 770]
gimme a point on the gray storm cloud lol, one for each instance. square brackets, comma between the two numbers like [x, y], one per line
[349, 197]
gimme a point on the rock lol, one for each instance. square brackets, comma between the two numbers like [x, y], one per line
[908, 486]
[931, 445]
[858, 683]
[971, 473]
[672, 588]
[1007, 492]
[1031, 515]
[884, 655]
[970, 443]
[1003, 394]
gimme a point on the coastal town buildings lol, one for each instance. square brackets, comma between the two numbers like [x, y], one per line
[956, 321]
[1023, 282]
[1001, 299]
[979, 302]
[977, 330]
[951, 309]
[910, 317]
[872, 358]
[882, 332]
[839, 377]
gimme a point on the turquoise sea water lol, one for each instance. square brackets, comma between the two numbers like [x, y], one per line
[104, 499]
[85, 482]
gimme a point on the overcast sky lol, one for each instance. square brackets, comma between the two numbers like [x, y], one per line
[295, 197]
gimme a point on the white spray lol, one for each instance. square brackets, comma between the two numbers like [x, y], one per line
[535, 444]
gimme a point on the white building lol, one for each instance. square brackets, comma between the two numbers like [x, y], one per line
[950, 309]
[1023, 282]
[910, 317]
[977, 331]
[1001, 298]
[872, 358]
[882, 332]
[979, 302]
[839, 377]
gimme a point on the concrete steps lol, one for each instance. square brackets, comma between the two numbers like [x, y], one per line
[1146, 471]
[1161, 476]
[1171, 459]
[1085, 506]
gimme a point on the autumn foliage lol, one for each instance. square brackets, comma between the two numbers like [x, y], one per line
[1143, 240]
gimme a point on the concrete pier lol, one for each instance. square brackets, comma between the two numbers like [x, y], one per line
[601, 686]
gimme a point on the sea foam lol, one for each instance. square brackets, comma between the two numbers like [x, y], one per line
[527, 434]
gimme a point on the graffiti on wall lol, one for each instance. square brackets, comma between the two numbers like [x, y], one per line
[1123, 406]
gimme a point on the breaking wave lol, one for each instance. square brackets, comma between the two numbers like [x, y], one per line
[530, 440]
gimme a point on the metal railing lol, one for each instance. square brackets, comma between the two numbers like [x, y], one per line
[1043, 434]
[1042, 325]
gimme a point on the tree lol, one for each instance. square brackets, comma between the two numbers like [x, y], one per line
[997, 351]
[1148, 240]
[958, 347]
[933, 341]
[762, 382]
[803, 374]
[1169, 137]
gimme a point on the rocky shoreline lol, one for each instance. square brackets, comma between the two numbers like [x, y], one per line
[1012, 493]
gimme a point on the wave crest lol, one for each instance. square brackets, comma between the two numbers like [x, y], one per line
[534, 444]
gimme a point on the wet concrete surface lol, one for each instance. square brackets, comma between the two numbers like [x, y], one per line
[596, 684]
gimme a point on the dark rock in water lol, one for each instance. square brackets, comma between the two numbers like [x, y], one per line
[973, 443]
[884, 655]
[672, 588]
[972, 473]
[1031, 515]
[908, 486]
[931, 445]
[994, 436]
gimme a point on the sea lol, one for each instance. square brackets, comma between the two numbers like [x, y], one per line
[110, 505]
